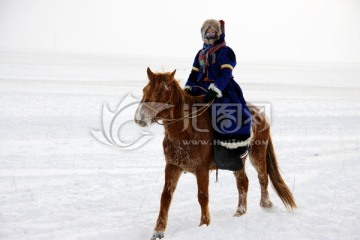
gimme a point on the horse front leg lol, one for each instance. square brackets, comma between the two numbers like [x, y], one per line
[172, 175]
[202, 177]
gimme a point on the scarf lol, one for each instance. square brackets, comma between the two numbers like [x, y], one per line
[206, 52]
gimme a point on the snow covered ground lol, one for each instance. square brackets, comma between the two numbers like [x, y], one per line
[58, 182]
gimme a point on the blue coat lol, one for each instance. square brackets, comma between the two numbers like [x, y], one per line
[230, 101]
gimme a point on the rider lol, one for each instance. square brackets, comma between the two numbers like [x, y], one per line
[212, 71]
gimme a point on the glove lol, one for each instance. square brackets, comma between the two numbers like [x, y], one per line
[210, 95]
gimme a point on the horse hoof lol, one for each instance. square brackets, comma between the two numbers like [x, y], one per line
[204, 223]
[204, 220]
[157, 235]
[240, 211]
[266, 204]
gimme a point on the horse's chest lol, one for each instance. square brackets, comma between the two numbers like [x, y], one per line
[180, 154]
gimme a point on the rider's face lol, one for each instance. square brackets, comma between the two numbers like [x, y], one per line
[210, 32]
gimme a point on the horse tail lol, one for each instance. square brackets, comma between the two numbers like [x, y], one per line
[277, 181]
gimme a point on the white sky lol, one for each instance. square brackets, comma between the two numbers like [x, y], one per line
[277, 30]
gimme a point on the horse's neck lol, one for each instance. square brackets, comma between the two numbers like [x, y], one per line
[182, 109]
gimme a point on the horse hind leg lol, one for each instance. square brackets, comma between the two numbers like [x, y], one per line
[258, 160]
[242, 183]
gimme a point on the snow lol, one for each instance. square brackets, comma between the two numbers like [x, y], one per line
[58, 182]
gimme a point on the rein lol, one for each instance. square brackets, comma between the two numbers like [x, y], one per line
[198, 112]
[194, 114]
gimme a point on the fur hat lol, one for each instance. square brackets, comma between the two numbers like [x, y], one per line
[215, 25]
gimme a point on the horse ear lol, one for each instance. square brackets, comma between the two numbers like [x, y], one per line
[172, 75]
[150, 73]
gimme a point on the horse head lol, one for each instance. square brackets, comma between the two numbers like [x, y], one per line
[158, 98]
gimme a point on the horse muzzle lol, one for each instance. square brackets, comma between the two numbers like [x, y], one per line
[143, 116]
[141, 120]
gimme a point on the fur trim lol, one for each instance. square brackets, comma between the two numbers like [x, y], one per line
[214, 24]
[234, 145]
[195, 69]
[215, 89]
[187, 87]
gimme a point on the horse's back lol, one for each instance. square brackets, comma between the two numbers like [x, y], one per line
[260, 122]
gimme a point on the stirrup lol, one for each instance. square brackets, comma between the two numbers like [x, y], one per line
[244, 155]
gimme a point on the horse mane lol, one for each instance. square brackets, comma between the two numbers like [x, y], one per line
[179, 98]
[185, 96]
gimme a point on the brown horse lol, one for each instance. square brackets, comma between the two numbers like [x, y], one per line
[197, 158]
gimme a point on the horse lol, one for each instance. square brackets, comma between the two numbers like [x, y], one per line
[180, 156]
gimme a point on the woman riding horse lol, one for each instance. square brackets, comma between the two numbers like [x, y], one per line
[231, 118]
